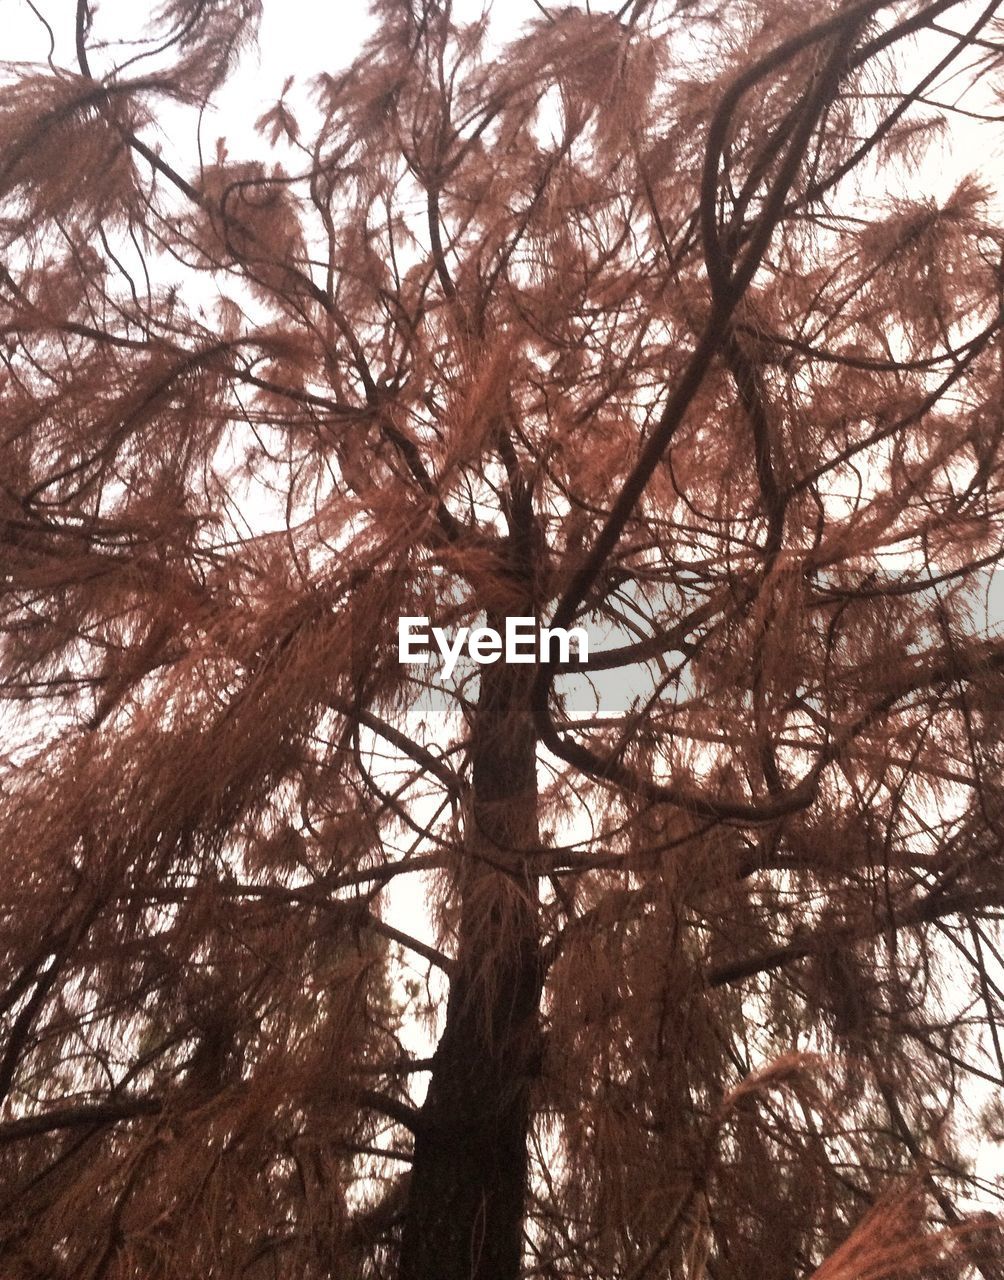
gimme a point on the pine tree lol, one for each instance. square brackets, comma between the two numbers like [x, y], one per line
[645, 320]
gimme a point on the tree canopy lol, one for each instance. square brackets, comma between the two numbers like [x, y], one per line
[683, 965]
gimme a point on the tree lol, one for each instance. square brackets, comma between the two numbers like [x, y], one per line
[642, 318]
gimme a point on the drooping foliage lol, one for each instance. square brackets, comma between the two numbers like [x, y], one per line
[670, 321]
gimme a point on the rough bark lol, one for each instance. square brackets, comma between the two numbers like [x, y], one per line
[464, 1216]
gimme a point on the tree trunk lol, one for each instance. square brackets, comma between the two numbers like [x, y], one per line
[467, 1193]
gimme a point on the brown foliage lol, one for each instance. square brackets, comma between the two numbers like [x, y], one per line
[646, 319]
